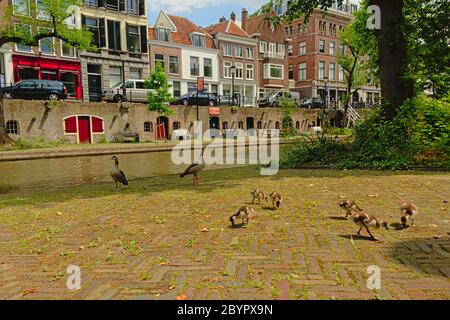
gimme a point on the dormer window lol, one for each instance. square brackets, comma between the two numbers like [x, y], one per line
[163, 34]
[198, 40]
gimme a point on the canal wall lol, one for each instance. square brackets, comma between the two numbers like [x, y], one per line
[74, 122]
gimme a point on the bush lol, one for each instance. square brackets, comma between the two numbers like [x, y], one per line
[418, 135]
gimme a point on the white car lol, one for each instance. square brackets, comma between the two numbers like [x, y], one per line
[134, 91]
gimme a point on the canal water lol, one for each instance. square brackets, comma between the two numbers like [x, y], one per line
[63, 172]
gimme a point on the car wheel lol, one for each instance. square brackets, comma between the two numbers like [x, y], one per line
[117, 98]
[185, 102]
[296, 105]
[53, 97]
[275, 104]
[7, 95]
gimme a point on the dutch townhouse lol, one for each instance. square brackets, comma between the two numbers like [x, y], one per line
[238, 60]
[185, 51]
[313, 52]
[51, 60]
[6, 65]
[271, 53]
[119, 29]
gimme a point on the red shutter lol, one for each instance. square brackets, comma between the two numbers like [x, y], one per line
[70, 125]
[97, 125]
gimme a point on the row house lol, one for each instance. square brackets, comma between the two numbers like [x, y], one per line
[6, 69]
[271, 53]
[313, 52]
[51, 60]
[119, 29]
[238, 60]
[185, 51]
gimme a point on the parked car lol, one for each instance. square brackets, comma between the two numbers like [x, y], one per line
[135, 91]
[35, 89]
[273, 99]
[228, 101]
[312, 103]
[203, 99]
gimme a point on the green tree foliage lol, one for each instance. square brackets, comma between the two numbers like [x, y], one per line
[159, 97]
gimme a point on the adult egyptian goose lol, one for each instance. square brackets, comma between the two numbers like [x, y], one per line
[195, 169]
[117, 174]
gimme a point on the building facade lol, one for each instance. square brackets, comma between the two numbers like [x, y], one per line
[272, 56]
[185, 51]
[238, 60]
[119, 29]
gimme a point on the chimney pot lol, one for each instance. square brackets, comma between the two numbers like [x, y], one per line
[244, 19]
[233, 16]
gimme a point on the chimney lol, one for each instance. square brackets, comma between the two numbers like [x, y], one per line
[244, 19]
[223, 19]
[233, 16]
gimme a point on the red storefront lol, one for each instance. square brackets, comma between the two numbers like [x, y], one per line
[68, 72]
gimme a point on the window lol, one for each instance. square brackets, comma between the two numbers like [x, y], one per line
[259, 125]
[195, 67]
[214, 88]
[21, 7]
[341, 49]
[227, 50]
[12, 127]
[341, 73]
[133, 7]
[97, 125]
[67, 50]
[281, 49]
[272, 47]
[112, 4]
[297, 125]
[192, 86]
[173, 65]
[198, 40]
[114, 35]
[207, 67]
[302, 48]
[225, 125]
[239, 70]
[277, 125]
[239, 52]
[163, 34]
[70, 125]
[290, 50]
[92, 3]
[302, 71]
[250, 53]
[27, 29]
[176, 89]
[115, 76]
[321, 70]
[273, 71]
[291, 72]
[227, 69]
[2, 70]
[262, 47]
[46, 45]
[249, 74]
[136, 73]
[41, 12]
[133, 39]
[241, 125]
[322, 46]
[331, 70]
[159, 58]
[176, 125]
[92, 26]
[332, 48]
[148, 126]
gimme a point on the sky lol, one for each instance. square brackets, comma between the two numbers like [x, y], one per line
[202, 12]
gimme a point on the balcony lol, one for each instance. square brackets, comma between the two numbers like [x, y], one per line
[274, 55]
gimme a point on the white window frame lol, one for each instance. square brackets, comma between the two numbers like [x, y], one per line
[18, 44]
[250, 68]
[332, 48]
[62, 53]
[53, 44]
[267, 71]
[272, 47]
[250, 53]
[225, 52]
[200, 35]
[262, 46]
[281, 49]
[16, 13]
[302, 75]
[341, 75]
[227, 66]
[238, 52]
[41, 17]
[320, 42]
[240, 67]
[332, 76]
[319, 70]
[302, 48]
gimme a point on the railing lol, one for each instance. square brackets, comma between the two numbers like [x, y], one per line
[352, 114]
[273, 55]
[91, 3]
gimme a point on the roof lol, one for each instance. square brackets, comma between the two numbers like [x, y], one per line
[184, 28]
[227, 27]
[258, 23]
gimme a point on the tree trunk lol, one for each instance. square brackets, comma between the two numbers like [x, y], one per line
[392, 50]
[5, 140]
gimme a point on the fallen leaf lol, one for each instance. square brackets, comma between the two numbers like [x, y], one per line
[172, 287]
[325, 191]
[158, 294]
[167, 263]
[432, 225]
[205, 230]
[28, 291]
[59, 213]
[182, 297]
[374, 195]
[444, 209]
[311, 185]
[81, 247]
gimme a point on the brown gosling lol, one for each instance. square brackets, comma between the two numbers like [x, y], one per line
[409, 212]
[260, 195]
[367, 221]
[276, 199]
[244, 213]
[349, 206]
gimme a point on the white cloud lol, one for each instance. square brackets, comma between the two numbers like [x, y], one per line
[188, 6]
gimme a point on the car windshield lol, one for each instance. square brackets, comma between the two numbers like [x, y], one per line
[118, 85]
[18, 83]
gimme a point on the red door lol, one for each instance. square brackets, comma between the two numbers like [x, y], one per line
[84, 131]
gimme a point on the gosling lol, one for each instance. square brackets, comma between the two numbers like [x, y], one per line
[276, 199]
[349, 206]
[244, 213]
[259, 195]
[409, 212]
[367, 221]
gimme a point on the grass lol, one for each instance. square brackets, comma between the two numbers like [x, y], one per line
[156, 224]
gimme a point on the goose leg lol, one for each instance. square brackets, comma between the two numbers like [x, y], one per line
[371, 235]
[253, 201]
[198, 180]
[359, 232]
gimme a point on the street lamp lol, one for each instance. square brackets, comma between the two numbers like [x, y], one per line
[325, 80]
[233, 70]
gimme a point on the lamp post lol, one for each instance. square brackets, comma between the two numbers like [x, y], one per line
[233, 70]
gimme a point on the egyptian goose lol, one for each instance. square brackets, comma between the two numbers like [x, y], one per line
[409, 212]
[195, 169]
[244, 213]
[349, 206]
[276, 199]
[365, 220]
[117, 174]
[258, 194]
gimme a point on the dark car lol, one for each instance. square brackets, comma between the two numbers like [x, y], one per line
[203, 99]
[35, 90]
[313, 103]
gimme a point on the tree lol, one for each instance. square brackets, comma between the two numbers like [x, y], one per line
[359, 63]
[56, 13]
[159, 96]
[392, 46]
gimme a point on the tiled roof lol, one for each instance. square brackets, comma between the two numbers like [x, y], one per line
[258, 24]
[227, 27]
